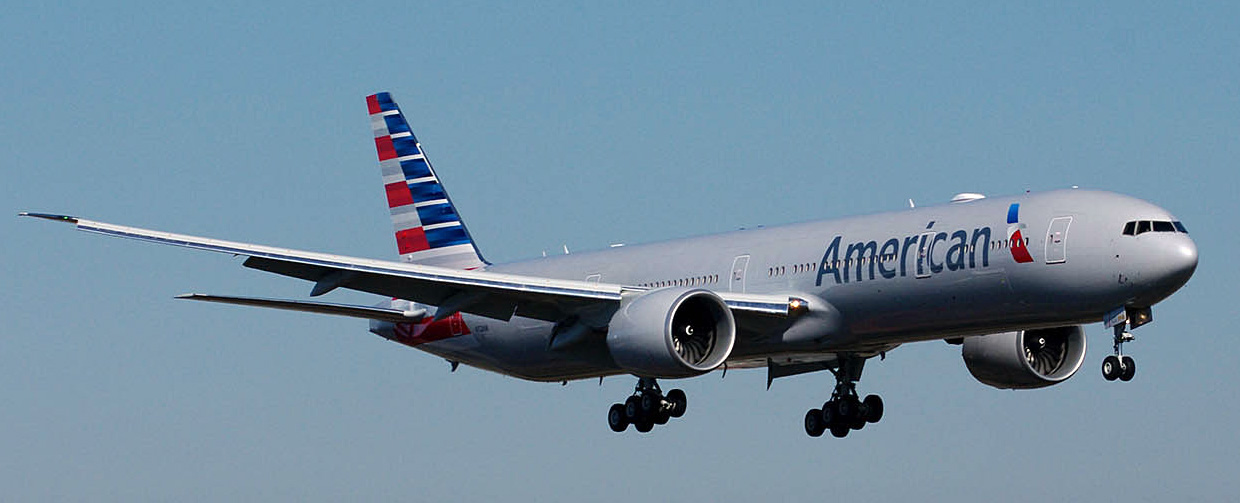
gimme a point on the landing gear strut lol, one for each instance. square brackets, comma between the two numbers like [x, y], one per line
[1118, 365]
[1121, 320]
[845, 411]
[646, 407]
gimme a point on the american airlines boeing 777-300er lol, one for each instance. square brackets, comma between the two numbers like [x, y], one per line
[1009, 279]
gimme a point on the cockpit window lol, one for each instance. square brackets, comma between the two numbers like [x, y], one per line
[1137, 227]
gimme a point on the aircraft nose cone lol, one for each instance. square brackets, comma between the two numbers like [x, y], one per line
[1183, 261]
[1176, 262]
[1165, 267]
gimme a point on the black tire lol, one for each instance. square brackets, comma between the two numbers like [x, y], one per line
[858, 419]
[1111, 368]
[680, 402]
[617, 419]
[644, 426]
[633, 409]
[650, 403]
[661, 417]
[829, 414]
[873, 408]
[1129, 369]
[813, 423]
[848, 409]
[839, 431]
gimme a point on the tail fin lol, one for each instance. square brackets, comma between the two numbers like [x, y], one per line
[428, 228]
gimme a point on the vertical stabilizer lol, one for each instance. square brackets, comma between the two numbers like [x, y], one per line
[428, 228]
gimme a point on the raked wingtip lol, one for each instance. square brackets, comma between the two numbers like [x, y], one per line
[50, 216]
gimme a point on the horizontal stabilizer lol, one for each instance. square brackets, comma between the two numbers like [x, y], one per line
[365, 312]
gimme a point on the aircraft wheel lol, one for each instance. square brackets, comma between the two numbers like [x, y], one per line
[848, 407]
[858, 423]
[1111, 368]
[633, 409]
[1129, 369]
[829, 414]
[873, 408]
[661, 417]
[839, 431]
[679, 402]
[644, 426]
[650, 403]
[617, 418]
[813, 423]
[858, 419]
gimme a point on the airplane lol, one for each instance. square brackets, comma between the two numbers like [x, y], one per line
[1011, 280]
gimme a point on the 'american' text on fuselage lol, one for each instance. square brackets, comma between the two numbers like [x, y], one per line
[868, 255]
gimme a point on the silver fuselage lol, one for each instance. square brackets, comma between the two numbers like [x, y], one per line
[890, 278]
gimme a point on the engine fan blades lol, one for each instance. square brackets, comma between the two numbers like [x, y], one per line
[693, 345]
[1045, 355]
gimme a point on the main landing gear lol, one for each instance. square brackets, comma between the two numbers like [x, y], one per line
[646, 407]
[1119, 366]
[845, 411]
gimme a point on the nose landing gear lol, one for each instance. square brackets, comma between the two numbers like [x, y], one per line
[1119, 366]
[647, 407]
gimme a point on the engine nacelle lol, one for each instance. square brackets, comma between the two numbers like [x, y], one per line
[1027, 359]
[672, 332]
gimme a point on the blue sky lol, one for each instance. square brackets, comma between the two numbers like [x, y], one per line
[563, 124]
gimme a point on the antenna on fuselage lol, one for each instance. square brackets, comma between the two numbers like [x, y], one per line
[910, 203]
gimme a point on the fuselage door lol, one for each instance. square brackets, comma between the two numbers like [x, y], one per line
[1057, 240]
[736, 280]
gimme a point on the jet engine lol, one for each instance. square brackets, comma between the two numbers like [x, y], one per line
[672, 332]
[1026, 359]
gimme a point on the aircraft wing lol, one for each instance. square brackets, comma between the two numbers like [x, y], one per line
[494, 295]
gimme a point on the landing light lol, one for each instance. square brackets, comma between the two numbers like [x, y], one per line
[1139, 316]
[797, 306]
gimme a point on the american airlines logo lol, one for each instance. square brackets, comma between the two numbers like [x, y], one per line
[1020, 252]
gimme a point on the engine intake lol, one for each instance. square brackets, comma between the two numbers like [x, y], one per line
[1026, 359]
[672, 332]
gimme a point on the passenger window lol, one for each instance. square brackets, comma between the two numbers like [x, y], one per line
[1180, 226]
[1143, 226]
[1130, 228]
[1163, 226]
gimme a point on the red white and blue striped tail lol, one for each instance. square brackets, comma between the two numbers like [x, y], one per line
[428, 228]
